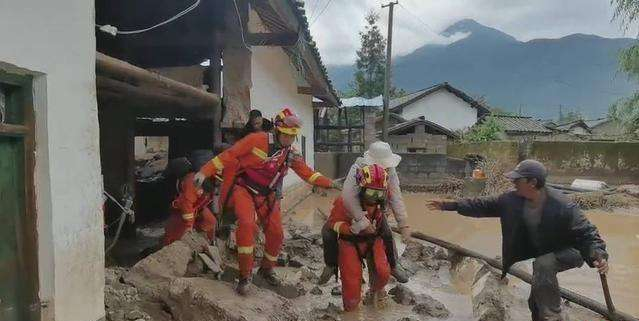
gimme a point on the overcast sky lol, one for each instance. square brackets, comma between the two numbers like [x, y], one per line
[335, 23]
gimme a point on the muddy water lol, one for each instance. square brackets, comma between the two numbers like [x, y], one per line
[620, 229]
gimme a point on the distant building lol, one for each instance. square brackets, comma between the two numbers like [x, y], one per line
[419, 136]
[521, 127]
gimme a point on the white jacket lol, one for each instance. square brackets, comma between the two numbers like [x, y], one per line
[350, 194]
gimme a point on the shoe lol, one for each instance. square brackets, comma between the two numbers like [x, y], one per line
[269, 276]
[326, 275]
[399, 274]
[242, 287]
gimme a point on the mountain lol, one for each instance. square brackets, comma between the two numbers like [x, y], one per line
[579, 72]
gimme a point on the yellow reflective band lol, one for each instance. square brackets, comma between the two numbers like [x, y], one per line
[259, 153]
[337, 226]
[293, 131]
[188, 216]
[314, 177]
[217, 163]
[270, 257]
[245, 250]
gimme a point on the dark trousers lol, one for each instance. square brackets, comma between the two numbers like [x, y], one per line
[329, 242]
[545, 301]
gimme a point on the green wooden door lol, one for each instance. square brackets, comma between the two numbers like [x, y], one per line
[12, 199]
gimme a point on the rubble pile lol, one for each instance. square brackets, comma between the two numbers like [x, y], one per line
[190, 280]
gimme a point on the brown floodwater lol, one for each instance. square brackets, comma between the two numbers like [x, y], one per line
[620, 229]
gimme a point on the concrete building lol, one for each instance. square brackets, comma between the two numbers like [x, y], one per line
[69, 117]
[51, 236]
[441, 104]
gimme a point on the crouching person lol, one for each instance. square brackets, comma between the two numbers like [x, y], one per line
[379, 153]
[189, 209]
[358, 242]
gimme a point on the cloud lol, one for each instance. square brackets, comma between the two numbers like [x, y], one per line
[418, 22]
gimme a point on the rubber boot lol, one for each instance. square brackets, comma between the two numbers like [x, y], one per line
[326, 275]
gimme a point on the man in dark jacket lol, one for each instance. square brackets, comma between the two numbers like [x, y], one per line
[538, 222]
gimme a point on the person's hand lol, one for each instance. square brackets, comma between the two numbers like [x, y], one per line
[369, 229]
[405, 232]
[435, 205]
[199, 179]
[360, 225]
[601, 265]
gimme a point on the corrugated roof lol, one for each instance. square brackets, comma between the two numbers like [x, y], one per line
[363, 102]
[521, 124]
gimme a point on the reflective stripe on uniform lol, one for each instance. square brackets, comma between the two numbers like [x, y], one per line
[270, 257]
[336, 226]
[188, 216]
[245, 250]
[259, 153]
[217, 163]
[314, 177]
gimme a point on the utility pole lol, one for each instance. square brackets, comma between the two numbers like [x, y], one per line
[389, 48]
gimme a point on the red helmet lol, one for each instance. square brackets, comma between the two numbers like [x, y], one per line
[287, 122]
[372, 176]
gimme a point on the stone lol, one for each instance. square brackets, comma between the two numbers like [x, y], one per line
[316, 291]
[632, 190]
[428, 306]
[308, 275]
[135, 315]
[209, 263]
[407, 319]
[489, 297]
[336, 291]
[205, 299]
[402, 295]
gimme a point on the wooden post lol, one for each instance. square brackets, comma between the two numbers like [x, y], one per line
[387, 85]
[215, 83]
[237, 65]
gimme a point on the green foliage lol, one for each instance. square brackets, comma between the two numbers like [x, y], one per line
[371, 60]
[626, 110]
[489, 130]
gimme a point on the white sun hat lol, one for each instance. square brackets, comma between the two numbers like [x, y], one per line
[380, 153]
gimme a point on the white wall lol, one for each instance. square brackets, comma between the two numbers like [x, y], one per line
[55, 41]
[443, 108]
[275, 86]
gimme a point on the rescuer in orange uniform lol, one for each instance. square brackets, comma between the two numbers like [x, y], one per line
[189, 210]
[253, 170]
[355, 246]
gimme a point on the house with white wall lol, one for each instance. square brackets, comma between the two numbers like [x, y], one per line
[51, 235]
[441, 104]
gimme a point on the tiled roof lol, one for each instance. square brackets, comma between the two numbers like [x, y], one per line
[521, 124]
[400, 102]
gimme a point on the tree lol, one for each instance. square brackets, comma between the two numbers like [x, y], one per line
[489, 130]
[626, 110]
[371, 60]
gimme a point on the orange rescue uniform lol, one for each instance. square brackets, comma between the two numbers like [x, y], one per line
[257, 153]
[189, 210]
[353, 249]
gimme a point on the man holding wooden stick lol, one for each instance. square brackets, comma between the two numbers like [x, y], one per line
[538, 222]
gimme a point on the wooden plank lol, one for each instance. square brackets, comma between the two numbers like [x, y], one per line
[304, 90]
[13, 130]
[272, 39]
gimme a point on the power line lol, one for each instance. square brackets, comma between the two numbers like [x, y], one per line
[321, 12]
[428, 28]
[114, 30]
[314, 10]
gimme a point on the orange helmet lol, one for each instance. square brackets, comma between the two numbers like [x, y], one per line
[287, 122]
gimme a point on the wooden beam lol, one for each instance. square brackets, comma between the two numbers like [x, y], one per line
[272, 39]
[304, 90]
[13, 130]
[118, 70]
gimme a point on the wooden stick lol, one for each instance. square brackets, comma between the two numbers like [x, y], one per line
[608, 297]
[526, 277]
